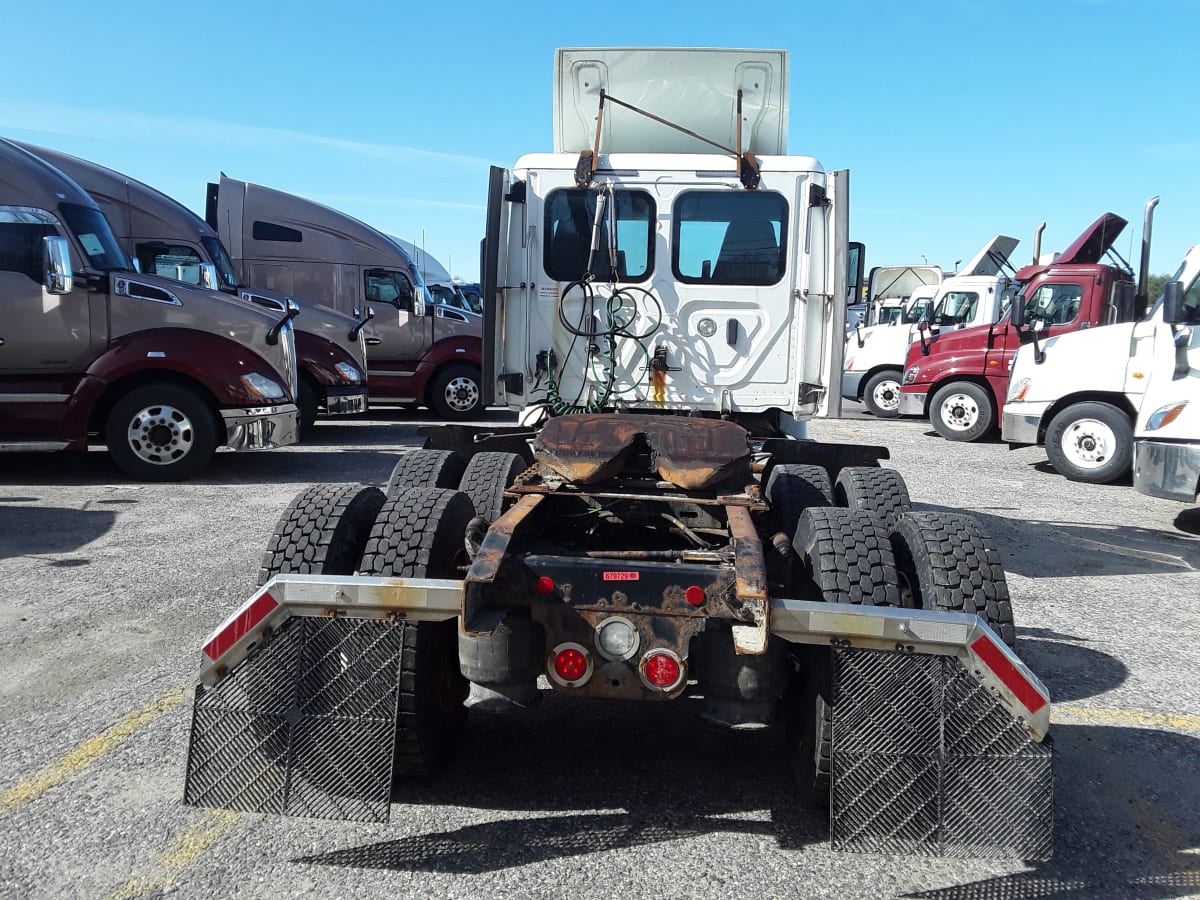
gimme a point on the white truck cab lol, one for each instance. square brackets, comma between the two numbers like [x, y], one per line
[650, 273]
[1166, 449]
[977, 295]
[1081, 393]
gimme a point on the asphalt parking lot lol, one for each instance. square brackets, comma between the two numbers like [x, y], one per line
[111, 586]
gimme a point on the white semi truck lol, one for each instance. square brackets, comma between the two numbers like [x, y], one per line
[1080, 394]
[669, 315]
[976, 295]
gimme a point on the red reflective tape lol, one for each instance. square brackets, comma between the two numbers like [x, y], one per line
[621, 576]
[262, 606]
[1031, 698]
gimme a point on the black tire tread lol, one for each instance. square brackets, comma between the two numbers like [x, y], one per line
[848, 556]
[322, 532]
[950, 565]
[486, 478]
[874, 490]
[792, 488]
[425, 469]
[418, 534]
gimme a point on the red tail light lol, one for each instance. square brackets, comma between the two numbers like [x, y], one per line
[545, 585]
[570, 664]
[694, 595]
[662, 670]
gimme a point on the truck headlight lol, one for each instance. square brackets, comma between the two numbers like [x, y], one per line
[1165, 416]
[263, 387]
[910, 374]
[349, 373]
[1019, 389]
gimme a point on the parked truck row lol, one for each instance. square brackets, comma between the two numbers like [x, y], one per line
[127, 318]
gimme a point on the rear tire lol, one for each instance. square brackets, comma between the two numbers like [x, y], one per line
[947, 563]
[1090, 442]
[161, 432]
[322, 532]
[486, 478]
[425, 468]
[881, 394]
[792, 488]
[419, 534]
[962, 412]
[874, 490]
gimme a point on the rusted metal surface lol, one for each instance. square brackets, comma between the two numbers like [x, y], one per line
[692, 454]
[751, 568]
[495, 546]
[751, 499]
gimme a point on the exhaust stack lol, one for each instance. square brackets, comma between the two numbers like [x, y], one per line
[1037, 242]
[1140, 301]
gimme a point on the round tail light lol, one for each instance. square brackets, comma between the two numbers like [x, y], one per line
[662, 670]
[570, 664]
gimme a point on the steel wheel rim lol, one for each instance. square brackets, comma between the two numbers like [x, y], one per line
[887, 395]
[1088, 443]
[462, 393]
[160, 435]
[959, 412]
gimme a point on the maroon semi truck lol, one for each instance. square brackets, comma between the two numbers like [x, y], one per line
[162, 372]
[960, 380]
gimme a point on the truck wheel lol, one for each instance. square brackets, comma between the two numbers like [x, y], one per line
[809, 725]
[847, 556]
[874, 490]
[947, 563]
[881, 393]
[455, 392]
[1090, 442]
[161, 432]
[322, 532]
[307, 402]
[486, 477]
[419, 534]
[425, 468]
[962, 412]
[792, 488]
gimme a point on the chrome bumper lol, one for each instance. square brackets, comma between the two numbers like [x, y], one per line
[912, 404]
[1167, 470]
[345, 401]
[261, 427]
[850, 384]
[1020, 429]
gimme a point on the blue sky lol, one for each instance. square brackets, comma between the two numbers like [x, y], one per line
[957, 119]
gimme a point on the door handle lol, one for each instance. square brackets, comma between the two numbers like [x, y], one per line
[371, 342]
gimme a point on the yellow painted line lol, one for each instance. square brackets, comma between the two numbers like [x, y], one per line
[88, 752]
[1129, 718]
[184, 850]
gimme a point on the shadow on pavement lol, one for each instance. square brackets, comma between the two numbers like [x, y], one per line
[35, 530]
[1043, 549]
[1069, 669]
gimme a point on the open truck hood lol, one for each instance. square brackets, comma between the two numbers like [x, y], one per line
[900, 281]
[1089, 248]
[678, 85]
[991, 257]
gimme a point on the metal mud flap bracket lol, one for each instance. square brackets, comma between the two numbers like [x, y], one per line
[297, 705]
[939, 737]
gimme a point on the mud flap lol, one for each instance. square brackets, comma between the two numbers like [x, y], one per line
[926, 761]
[305, 726]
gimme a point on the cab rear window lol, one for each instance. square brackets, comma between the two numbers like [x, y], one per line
[729, 238]
[569, 220]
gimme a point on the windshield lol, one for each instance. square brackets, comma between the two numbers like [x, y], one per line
[95, 237]
[956, 308]
[221, 260]
[917, 311]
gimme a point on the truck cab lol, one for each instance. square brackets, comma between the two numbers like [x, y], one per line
[960, 380]
[165, 238]
[162, 372]
[977, 294]
[1166, 450]
[418, 352]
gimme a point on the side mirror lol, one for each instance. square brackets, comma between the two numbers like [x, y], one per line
[419, 302]
[858, 331]
[1173, 311]
[208, 277]
[1018, 311]
[362, 320]
[292, 310]
[56, 265]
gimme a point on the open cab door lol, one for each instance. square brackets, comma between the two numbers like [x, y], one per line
[493, 271]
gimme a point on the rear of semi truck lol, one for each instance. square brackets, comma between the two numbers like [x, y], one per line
[664, 321]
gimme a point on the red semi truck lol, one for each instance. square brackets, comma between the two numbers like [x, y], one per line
[959, 380]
